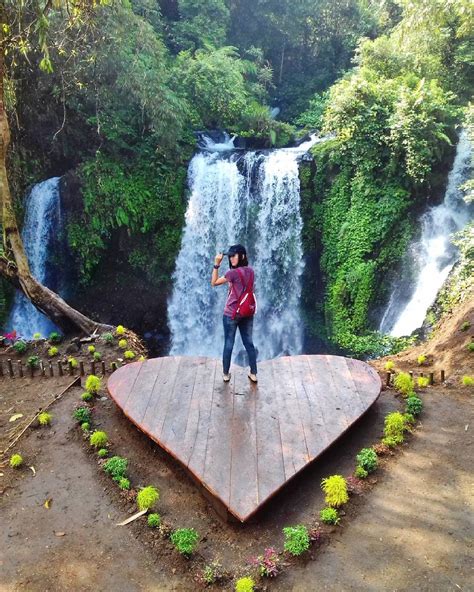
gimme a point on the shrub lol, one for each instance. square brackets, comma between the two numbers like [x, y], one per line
[391, 442]
[72, 362]
[465, 326]
[36, 336]
[20, 347]
[414, 405]
[335, 489]
[470, 346]
[82, 414]
[360, 472]
[116, 467]
[268, 564]
[409, 419]
[404, 383]
[120, 330]
[244, 585]
[44, 418]
[103, 452]
[147, 497]
[124, 483]
[87, 396]
[296, 539]
[93, 384]
[53, 351]
[367, 459]
[467, 380]
[394, 427]
[91, 349]
[97, 356]
[98, 439]
[422, 381]
[122, 343]
[421, 360]
[55, 337]
[129, 355]
[33, 362]
[108, 337]
[185, 540]
[86, 426]
[329, 516]
[16, 460]
[154, 520]
[212, 572]
[389, 365]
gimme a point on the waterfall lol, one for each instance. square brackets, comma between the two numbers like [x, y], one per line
[433, 255]
[250, 198]
[39, 235]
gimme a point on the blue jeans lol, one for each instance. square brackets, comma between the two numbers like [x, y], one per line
[245, 327]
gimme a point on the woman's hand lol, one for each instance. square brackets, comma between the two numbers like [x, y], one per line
[218, 259]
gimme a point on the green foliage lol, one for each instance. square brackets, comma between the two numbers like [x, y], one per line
[296, 539]
[147, 497]
[44, 418]
[20, 346]
[102, 453]
[389, 365]
[129, 355]
[202, 23]
[414, 405]
[467, 380]
[97, 356]
[154, 520]
[93, 384]
[335, 488]
[245, 585]
[367, 458]
[329, 516]
[391, 441]
[122, 343]
[360, 472]
[394, 428]
[55, 337]
[312, 118]
[470, 346]
[53, 351]
[185, 540]
[36, 336]
[16, 460]
[124, 483]
[465, 326]
[120, 330]
[85, 426]
[421, 360]
[98, 439]
[116, 467]
[86, 396]
[212, 572]
[33, 362]
[108, 338]
[404, 383]
[72, 362]
[91, 349]
[422, 381]
[409, 420]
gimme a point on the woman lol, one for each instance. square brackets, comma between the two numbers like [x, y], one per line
[237, 260]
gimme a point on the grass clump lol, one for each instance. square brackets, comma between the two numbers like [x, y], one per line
[129, 355]
[185, 540]
[16, 460]
[389, 365]
[53, 351]
[404, 383]
[423, 381]
[470, 346]
[33, 362]
[20, 346]
[421, 360]
[120, 330]
[147, 497]
[154, 520]
[360, 472]
[394, 427]
[367, 459]
[55, 337]
[108, 337]
[329, 516]
[93, 384]
[335, 488]
[97, 356]
[244, 585]
[124, 483]
[44, 418]
[116, 467]
[99, 439]
[467, 380]
[72, 362]
[82, 414]
[102, 453]
[414, 405]
[212, 572]
[296, 539]
[91, 349]
[87, 396]
[85, 426]
[465, 326]
[122, 343]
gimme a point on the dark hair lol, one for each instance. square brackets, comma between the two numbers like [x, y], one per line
[242, 252]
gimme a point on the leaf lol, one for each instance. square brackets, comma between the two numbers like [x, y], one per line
[15, 417]
[48, 502]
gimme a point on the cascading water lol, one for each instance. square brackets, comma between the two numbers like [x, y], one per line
[434, 254]
[250, 198]
[40, 232]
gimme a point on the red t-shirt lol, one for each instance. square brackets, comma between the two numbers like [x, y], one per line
[236, 287]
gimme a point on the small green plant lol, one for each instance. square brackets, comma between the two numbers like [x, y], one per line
[98, 439]
[394, 428]
[86, 426]
[245, 585]
[72, 362]
[141, 359]
[124, 483]
[108, 337]
[268, 564]
[16, 460]
[185, 540]
[296, 539]
[212, 572]
[414, 405]
[404, 383]
[97, 356]
[53, 351]
[409, 420]
[329, 516]
[116, 467]
[389, 365]
[82, 414]
[91, 349]
[102, 453]
[129, 355]
[87, 396]
[154, 520]
[390, 441]
[93, 384]
[465, 326]
[120, 330]
[367, 458]
[122, 343]
[33, 362]
[360, 472]
[421, 360]
[44, 418]
[20, 346]
[470, 346]
[335, 488]
[55, 337]
[422, 381]
[36, 336]
[147, 497]
[467, 380]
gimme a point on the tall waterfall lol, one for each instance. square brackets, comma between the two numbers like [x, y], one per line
[433, 255]
[250, 198]
[40, 233]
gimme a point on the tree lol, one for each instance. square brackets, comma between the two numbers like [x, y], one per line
[25, 25]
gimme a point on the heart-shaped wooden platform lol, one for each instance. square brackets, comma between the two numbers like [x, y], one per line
[244, 441]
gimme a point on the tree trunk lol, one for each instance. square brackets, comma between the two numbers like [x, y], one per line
[14, 263]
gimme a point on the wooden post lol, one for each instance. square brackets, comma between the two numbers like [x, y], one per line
[1, 368]
[93, 368]
[20, 368]
[421, 374]
[431, 378]
[10, 368]
[32, 370]
[103, 368]
[389, 376]
[114, 366]
[60, 368]
[442, 376]
[71, 369]
[411, 374]
[51, 371]
[43, 369]
[81, 368]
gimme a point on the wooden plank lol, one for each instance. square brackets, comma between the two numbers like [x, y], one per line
[142, 390]
[366, 379]
[352, 391]
[121, 382]
[343, 392]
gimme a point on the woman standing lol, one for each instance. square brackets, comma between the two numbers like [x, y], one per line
[239, 277]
